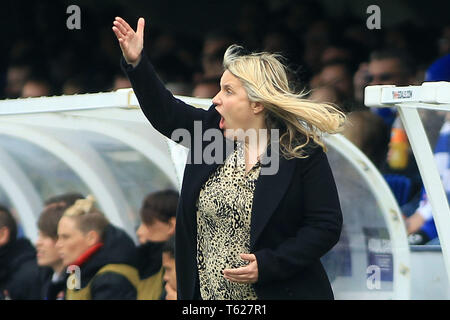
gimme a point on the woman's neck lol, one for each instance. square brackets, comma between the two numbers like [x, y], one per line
[255, 146]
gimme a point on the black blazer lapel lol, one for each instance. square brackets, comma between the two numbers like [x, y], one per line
[269, 191]
[196, 175]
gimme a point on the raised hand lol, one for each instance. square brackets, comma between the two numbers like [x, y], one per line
[130, 42]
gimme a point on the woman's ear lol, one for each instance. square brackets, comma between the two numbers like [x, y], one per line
[257, 107]
[4, 235]
[92, 238]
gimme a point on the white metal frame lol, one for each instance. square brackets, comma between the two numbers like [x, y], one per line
[21, 193]
[79, 165]
[432, 95]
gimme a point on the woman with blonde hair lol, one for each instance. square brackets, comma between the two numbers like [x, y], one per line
[101, 256]
[243, 232]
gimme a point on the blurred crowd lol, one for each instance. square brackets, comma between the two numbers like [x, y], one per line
[332, 60]
[327, 55]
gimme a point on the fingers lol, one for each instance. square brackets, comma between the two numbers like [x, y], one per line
[120, 36]
[240, 275]
[124, 24]
[237, 271]
[248, 257]
[120, 27]
[140, 26]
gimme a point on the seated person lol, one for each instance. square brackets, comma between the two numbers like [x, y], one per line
[170, 274]
[158, 225]
[53, 271]
[420, 225]
[19, 273]
[102, 256]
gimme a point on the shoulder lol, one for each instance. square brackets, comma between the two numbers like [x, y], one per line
[112, 285]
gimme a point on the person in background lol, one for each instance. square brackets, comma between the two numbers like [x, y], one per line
[158, 221]
[420, 225]
[396, 67]
[36, 87]
[52, 268]
[367, 131]
[170, 274]
[206, 88]
[19, 273]
[102, 257]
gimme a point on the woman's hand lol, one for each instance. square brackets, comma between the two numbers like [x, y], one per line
[247, 274]
[130, 42]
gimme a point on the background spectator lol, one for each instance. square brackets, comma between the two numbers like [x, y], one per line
[53, 272]
[19, 274]
[170, 274]
[158, 221]
[104, 253]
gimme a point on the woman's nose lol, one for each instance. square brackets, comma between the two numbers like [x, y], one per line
[216, 99]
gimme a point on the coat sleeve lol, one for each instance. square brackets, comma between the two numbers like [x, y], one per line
[112, 286]
[319, 231]
[165, 112]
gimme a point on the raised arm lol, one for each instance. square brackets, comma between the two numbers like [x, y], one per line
[162, 109]
[130, 42]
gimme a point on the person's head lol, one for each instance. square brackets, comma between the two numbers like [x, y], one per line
[73, 85]
[158, 216]
[369, 133]
[206, 87]
[444, 41]
[338, 76]
[168, 262]
[16, 77]
[47, 253]
[121, 82]
[212, 63]
[35, 87]
[256, 94]
[81, 227]
[8, 226]
[390, 66]
[325, 94]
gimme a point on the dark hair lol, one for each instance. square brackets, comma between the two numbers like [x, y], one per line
[406, 61]
[169, 246]
[68, 198]
[209, 80]
[7, 220]
[160, 205]
[49, 218]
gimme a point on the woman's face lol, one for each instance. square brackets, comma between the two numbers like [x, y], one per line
[71, 241]
[233, 105]
[157, 231]
[47, 254]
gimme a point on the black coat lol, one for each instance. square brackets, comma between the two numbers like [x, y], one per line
[52, 290]
[118, 248]
[19, 273]
[296, 215]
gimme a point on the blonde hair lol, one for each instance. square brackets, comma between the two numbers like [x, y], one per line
[265, 80]
[87, 216]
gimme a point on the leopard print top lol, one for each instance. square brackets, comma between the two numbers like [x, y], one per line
[224, 209]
